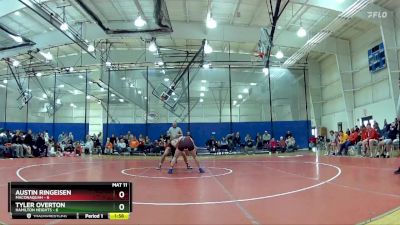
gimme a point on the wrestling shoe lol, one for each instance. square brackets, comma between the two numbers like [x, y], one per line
[188, 166]
[201, 170]
[397, 171]
[170, 171]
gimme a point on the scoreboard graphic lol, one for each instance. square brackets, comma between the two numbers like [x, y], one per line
[70, 200]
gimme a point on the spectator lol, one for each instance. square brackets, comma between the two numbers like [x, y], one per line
[386, 126]
[39, 149]
[273, 145]
[212, 144]
[121, 147]
[133, 144]
[288, 135]
[259, 141]
[96, 143]
[291, 144]
[78, 149]
[27, 144]
[230, 139]
[16, 141]
[71, 137]
[4, 144]
[61, 137]
[46, 136]
[141, 146]
[113, 140]
[312, 142]
[109, 147]
[129, 135]
[386, 144]
[352, 140]
[342, 140]
[364, 140]
[266, 138]
[282, 144]
[357, 129]
[89, 145]
[237, 140]
[249, 144]
[174, 131]
[223, 145]
[373, 137]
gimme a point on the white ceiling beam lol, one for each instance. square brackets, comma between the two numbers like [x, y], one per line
[235, 11]
[140, 10]
[182, 30]
[363, 14]
[259, 8]
[185, 5]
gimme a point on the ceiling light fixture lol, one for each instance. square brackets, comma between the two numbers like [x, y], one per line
[64, 26]
[48, 56]
[265, 71]
[201, 94]
[207, 48]
[90, 48]
[279, 54]
[152, 46]
[210, 21]
[206, 66]
[39, 74]
[301, 32]
[140, 22]
[240, 96]
[17, 39]
[15, 63]
[201, 100]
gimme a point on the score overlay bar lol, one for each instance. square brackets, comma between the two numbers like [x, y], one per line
[69, 200]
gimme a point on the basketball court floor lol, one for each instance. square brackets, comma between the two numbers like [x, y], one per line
[302, 188]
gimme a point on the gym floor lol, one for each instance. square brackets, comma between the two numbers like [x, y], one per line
[300, 188]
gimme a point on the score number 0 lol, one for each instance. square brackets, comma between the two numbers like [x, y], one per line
[121, 195]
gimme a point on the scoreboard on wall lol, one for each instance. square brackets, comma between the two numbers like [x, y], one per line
[70, 200]
[376, 58]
